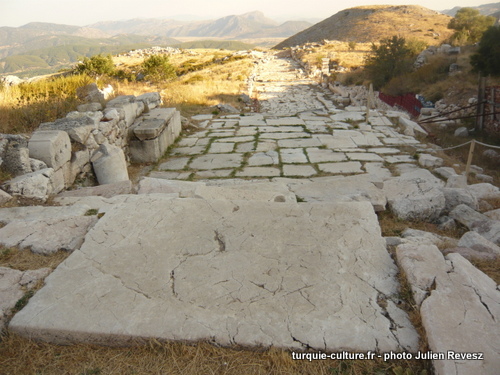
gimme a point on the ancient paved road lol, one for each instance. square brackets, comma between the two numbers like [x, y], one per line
[241, 262]
[299, 132]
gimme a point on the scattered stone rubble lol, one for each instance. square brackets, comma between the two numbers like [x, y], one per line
[99, 138]
[246, 275]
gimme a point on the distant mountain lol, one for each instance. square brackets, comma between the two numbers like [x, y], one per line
[372, 23]
[485, 9]
[253, 25]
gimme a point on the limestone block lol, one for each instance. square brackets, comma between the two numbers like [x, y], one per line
[486, 227]
[411, 126]
[36, 185]
[151, 100]
[457, 301]
[445, 172]
[79, 159]
[415, 195]
[457, 196]
[109, 164]
[429, 161]
[13, 284]
[90, 93]
[152, 124]
[89, 107]
[78, 128]
[27, 213]
[107, 191]
[36, 165]
[477, 242]
[4, 197]
[15, 157]
[128, 106]
[53, 147]
[457, 181]
[57, 181]
[47, 236]
[485, 191]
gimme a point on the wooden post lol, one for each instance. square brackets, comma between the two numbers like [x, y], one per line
[469, 159]
[481, 94]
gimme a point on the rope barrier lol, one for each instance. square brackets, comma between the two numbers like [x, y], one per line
[451, 148]
[484, 144]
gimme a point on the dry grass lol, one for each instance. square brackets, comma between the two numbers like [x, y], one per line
[24, 107]
[23, 356]
[489, 267]
[24, 260]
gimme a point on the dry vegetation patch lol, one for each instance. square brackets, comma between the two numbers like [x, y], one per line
[22, 356]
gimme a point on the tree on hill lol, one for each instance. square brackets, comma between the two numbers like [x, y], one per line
[487, 59]
[392, 57]
[469, 26]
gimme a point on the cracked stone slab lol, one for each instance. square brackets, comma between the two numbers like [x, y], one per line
[247, 276]
[341, 189]
[41, 212]
[47, 236]
[174, 164]
[259, 172]
[298, 170]
[264, 158]
[459, 306]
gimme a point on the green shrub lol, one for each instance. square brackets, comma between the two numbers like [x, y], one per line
[97, 65]
[469, 26]
[157, 68]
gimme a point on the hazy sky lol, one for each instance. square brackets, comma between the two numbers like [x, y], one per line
[85, 12]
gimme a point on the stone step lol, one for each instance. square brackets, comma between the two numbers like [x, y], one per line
[233, 272]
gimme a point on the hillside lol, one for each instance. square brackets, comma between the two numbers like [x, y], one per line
[485, 9]
[371, 23]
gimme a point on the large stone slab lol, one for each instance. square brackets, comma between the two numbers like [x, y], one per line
[48, 235]
[232, 272]
[415, 195]
[459, 306]
[217, 161]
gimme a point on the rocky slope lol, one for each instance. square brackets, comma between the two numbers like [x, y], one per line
[372, 23]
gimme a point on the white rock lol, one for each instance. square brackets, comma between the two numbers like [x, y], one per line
[35, 185]
[109, 164]
[53, 147]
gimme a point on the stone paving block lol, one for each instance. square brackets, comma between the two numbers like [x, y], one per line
[188, 150]
[218, 173]
[268, 145]
[290, 143]
[216, 161]
[341, 167]
[399, 141]
[299, 170]
[187, 142]
[393, 159]
[246, 131]
[293, 155]
[281, 129]
[171, 175]
[107, 191]
[284, 135]
[245, 147]
[235, 139]
[335, 142]
[378, 170]
[345, 115]
[248, 277]
[202, 117]
[379, 121]
[317, 155]
[259, 172]
[285, 121]
[384, 150]
[173, 164]
[363, 156]
[264, 158]
[221, 148]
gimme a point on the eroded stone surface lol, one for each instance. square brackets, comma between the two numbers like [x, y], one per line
[457, 301]
[246, 277]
